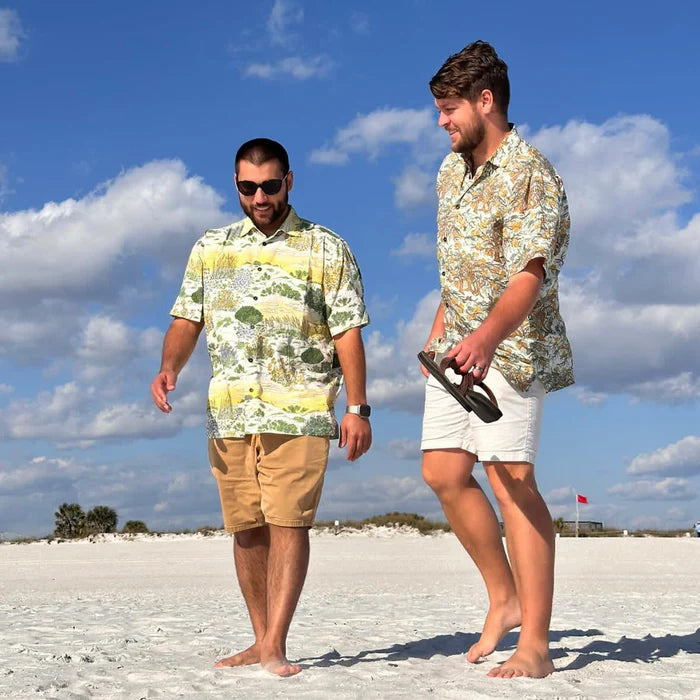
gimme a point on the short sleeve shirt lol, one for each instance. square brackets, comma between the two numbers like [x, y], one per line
[271, 306]
[490, 225]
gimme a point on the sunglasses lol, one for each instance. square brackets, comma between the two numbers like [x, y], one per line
[248, 188]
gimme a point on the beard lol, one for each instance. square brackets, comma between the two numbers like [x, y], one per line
[271, 213]
[470, 137]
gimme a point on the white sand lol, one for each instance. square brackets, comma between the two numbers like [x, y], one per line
[381, 616]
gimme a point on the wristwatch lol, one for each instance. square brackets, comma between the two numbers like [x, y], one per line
[360, 409]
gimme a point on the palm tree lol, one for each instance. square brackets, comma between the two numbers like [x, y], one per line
[101, 519]
[559, 525]
[70, 520]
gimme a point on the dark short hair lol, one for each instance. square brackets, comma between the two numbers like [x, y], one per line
[259, 151]
[475, 68]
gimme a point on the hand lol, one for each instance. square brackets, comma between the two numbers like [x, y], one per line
[161, 385]
[356, 433]
[475, 352]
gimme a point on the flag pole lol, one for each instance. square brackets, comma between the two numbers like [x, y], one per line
[576, 496]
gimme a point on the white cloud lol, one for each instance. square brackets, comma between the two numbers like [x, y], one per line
[11, 34]
[416, 245]
[618, 174]
[72, 414]
[359, 23]
[5, 188]
[293, 66]
[6, 388]
[405, 448]
[562, 496]
[370, 133]
[31, 490]
[682, 457]
[395, 380]
[612, 348]
[414, 188]
[329, 156]
[590, 398]
[75, 247]
[283, 16]
[382, 494]
[669, 489]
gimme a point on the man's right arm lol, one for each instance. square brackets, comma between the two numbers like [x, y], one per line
[179, 342]
[436, 331]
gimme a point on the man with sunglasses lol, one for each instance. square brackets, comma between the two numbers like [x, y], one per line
[281, 299]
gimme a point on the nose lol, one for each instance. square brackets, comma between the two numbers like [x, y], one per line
[260, 197]
[443, 120]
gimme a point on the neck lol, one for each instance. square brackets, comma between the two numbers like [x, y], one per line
[273, 226]
[489, 144]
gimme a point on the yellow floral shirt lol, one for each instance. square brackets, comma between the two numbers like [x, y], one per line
[490, 226]
[271, 306]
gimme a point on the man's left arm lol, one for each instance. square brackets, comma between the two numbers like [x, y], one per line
[355, 431]
[511, 309]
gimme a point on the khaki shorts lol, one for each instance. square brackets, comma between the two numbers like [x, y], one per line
[512, 438]
[269, 478]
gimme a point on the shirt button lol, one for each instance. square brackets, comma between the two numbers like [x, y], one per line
[251, 390]
[250, 359]
[442, 273]
[444, 240]
[255, 298]
[260, 269]
[264, 242]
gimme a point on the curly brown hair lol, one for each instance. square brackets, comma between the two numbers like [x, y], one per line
[475, 68]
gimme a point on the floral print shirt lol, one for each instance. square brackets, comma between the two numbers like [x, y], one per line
[490, 225]
[271, 306]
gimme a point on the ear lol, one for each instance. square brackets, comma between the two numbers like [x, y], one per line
[486, 102]
[290, 181]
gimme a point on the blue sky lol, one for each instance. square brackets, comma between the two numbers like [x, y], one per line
[119, 127]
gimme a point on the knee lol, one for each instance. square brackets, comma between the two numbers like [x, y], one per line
[252, 537]
[511, 489]
[441, 482]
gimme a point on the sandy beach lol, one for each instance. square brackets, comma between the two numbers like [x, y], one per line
[383, 615]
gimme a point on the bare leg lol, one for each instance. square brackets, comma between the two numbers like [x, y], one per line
[530, 540]
[287, 565]
[449, 474]
[250, 552]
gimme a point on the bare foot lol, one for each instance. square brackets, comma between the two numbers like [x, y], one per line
[499, 621]
[525, 663]
[280, 666]
[249, 656]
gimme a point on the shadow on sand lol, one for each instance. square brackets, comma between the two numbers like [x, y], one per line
[647, 649]
[442, 645]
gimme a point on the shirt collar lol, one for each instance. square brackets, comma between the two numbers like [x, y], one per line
[506, 148]
[291, 225]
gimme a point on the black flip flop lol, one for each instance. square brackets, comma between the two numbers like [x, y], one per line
[485, 407]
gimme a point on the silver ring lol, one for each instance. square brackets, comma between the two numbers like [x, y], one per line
[481, 369]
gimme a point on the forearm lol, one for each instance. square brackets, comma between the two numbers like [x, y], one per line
[179, 343]
[351, 354]
[513, 306]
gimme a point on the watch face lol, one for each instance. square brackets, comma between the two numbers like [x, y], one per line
[365, 410]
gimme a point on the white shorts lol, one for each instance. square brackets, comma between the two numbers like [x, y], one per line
[512, 438]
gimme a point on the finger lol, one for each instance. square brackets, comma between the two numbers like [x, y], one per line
[480, 371]
[341, 440]
[352, 448]
[424, 371]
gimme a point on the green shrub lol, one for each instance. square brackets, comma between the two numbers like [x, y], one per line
[134, 527]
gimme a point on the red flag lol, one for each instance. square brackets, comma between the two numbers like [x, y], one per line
[581, 499]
